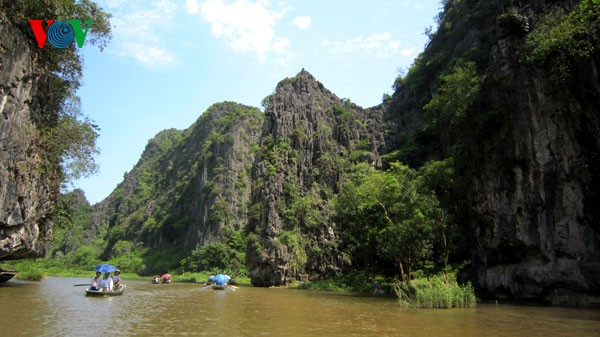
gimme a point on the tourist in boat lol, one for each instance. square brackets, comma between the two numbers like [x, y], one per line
[116, 278]
[222, 279]
[166, 278]
[107, 282]
[210, 281]
[156, 279]
[95, 285]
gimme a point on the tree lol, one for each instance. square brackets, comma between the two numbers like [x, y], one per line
[559, 41]
[389, 214]
[445, 111]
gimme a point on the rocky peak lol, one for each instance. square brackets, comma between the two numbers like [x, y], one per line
[303, 83]
[309, 137]
[188, 186]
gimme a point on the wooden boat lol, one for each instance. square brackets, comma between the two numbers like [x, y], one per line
[6, 273]
[116, 292]
[5, 276]
[219, 286]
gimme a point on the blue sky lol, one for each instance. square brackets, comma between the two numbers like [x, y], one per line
[170, 60]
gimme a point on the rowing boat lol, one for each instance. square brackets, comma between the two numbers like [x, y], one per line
[219, 286]
[117, 291]
[5, 276]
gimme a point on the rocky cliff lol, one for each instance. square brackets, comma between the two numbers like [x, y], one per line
[526, 149]
[188, 186]
[532, 179]
[309, 137]
[28, 185]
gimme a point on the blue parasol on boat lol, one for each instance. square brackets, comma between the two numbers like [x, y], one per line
[105, 268]
[221, 279]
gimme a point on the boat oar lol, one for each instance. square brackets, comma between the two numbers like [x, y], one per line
[81, 285]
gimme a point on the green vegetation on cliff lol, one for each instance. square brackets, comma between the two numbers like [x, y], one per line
[188, 191]
[387, 216]
[68, 137]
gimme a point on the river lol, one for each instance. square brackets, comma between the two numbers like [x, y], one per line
[54, 307]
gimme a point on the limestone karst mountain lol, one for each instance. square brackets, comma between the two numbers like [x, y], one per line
[508, 89]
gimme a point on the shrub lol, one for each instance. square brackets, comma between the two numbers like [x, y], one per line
[435, 293]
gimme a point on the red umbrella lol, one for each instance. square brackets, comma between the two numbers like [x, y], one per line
[166, 276]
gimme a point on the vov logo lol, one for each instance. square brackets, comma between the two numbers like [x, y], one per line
[60, 34]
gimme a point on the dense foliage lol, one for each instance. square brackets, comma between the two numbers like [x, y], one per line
[68, 136]
[396, 216]
[561, 40]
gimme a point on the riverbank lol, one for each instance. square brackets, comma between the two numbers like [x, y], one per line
[426, 292]
[32, 270]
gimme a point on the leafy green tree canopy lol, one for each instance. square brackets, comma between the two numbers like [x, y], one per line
[389, 215]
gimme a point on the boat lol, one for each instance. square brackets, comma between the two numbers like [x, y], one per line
[5, 276]
[6, 273]
[219, 286]
[165, 278]
[220, 282]
[116, 292]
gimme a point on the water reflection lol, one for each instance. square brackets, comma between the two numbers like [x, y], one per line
[56, 308]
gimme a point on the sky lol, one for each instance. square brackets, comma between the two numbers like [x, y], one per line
[168, 61]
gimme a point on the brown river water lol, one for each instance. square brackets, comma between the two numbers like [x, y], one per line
[55, 307]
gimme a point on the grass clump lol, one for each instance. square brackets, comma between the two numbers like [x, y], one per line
[33, 274]
[355, 282]
[435, 293]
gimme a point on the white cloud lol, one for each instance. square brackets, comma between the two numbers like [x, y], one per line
[409, 52]
[192, 6]
[280, 45]
[139, 28]
[381, 45]
[413, 4]
[149, 55]
[302, 22]
[245, 26]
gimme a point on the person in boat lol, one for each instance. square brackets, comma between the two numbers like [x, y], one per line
[95, 285]
[166, 278]
[155, 279]
[222, 279]
[210, 281]
[107, 282]
[117, 278]
[377, 289]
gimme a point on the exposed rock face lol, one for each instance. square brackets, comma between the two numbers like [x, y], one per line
[188, 186]
[533, 182]
[26, 191]
[309, 137]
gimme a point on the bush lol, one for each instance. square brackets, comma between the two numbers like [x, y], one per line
[355, 282]
[216, 255]
[435, 293]
[34, 274]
